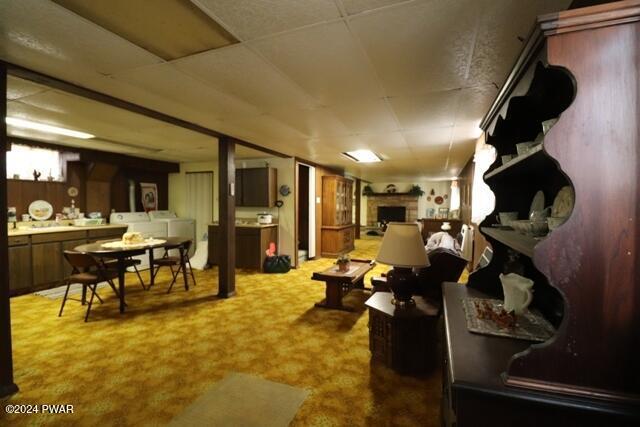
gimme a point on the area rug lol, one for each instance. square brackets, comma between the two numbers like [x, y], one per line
[242, 400]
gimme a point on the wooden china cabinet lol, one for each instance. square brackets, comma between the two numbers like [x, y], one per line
[581, 66]
[337, 215]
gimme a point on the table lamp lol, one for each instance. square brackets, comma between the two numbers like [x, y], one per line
[402, 247]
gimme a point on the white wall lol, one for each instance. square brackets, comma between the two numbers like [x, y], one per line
[285, 216]
[440, 187]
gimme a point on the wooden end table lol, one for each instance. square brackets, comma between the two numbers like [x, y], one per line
[404, 339]
[338, 284]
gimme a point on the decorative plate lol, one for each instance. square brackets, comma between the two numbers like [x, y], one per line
[439, 200]
[40, 210]
[563, 203]
[72, 192]
[537, 204]
[285, 190]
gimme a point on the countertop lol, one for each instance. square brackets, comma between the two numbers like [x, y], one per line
[250, 225]
[62, 229]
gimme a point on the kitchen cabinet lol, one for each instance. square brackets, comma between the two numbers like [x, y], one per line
[36, 259]
[46, 262]
[251, 244]
[20, 266]
[256, 187]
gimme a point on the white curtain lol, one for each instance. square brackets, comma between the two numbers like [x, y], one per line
[483, 199]
[199, 200]
[455, 196]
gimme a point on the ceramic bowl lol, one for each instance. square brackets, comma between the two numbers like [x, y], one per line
[555, 222]
[538, 228]
[507, 217]
[522, 226]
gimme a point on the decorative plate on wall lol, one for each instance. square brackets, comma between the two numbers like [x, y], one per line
[285, 190]
[439, 200]
[72, 192]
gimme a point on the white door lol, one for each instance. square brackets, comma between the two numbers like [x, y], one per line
[199, 200]
[312, 212]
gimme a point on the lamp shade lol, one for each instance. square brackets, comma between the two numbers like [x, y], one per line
[402, 246]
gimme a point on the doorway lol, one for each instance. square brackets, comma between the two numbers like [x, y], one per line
[199, 201]
[306, 212]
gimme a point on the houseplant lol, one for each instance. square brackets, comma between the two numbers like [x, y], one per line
[367, 190]
[415, 190]
[343, 263]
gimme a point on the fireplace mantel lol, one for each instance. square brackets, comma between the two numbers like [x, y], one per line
[409, 201]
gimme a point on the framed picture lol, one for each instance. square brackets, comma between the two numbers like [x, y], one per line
[149, 196]
[431, 213]
[443, 213]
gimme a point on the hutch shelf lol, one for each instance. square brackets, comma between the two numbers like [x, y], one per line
[581, 67]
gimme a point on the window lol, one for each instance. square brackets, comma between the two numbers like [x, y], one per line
[22, 160]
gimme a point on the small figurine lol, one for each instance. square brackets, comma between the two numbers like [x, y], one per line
[36, 175]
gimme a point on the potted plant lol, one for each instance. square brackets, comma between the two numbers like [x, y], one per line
[343, 263]
[367, 190]
[415, 190]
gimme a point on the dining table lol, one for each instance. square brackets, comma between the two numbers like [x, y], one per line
[102, 249]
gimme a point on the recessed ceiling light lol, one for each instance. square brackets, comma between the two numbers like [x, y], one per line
[28, 124]
[363, 156]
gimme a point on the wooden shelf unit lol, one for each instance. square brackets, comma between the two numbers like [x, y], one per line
[582, 67]
[338, 233]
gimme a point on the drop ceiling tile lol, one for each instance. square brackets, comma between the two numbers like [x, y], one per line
[434, 109]
[356, 6]
[474, 102]
[427, 138]
[262, 128]
[428, 49]
[312, 123]
[46, 37]
[168, 82]
[366, 116]
[502, 22]
[19, 88]
[248, 19]
[325, 61]
[460, 155]
[239, 72]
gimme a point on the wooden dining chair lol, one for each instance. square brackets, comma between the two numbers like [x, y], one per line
[176, 263]
[87, 271]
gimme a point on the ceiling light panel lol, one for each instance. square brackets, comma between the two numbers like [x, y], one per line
[325, 61]
[46, 128]
[363, 156]
[46, 37]
[249, 19]
[169, 29]
[429, 48]
[239, 72]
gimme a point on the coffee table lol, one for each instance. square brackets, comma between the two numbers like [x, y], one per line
[338, 284]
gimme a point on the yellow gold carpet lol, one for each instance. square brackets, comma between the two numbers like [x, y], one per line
[148, 365]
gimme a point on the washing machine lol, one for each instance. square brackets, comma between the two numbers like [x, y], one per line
[140, 222]
[177, 227]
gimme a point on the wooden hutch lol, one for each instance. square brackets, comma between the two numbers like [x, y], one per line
[583, 67]
[337, 215]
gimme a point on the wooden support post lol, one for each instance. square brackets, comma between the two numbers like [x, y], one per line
[358, 196]
[227, 219]
[7, 385]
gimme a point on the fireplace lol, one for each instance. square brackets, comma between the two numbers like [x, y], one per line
[392, 213]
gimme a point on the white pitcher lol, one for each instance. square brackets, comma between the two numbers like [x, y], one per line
[517, 292]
